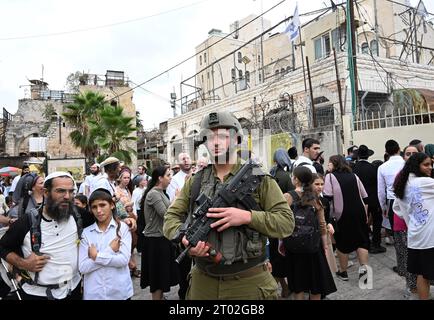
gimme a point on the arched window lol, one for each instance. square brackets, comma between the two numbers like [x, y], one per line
[240, 74]
[247, 76]
[374, 47]
[365, 48]
[240, 57]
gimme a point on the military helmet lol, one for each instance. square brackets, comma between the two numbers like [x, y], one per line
[221, 119]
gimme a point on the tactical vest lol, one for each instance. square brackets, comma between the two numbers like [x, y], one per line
[241, 247]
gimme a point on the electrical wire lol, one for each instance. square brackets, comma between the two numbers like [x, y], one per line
[100, 27]
[198, 53]
[228, 35]
[407, 6]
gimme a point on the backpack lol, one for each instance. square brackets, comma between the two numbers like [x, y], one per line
[35, 217]
[306, 237]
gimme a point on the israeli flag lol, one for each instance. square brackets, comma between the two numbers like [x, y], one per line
[293, 27]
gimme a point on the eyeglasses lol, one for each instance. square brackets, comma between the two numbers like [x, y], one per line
[64, 191]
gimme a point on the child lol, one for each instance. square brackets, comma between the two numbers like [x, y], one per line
[318, 186]
[105, 250]
[308, 271]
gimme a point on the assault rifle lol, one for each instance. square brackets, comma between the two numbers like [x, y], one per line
[238, 190]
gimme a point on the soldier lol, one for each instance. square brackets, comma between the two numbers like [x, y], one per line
[238, 234]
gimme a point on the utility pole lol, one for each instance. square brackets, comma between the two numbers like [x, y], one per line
[352, 62]
[338, 83]
[311, 92]
[415, 32]
[376, 27]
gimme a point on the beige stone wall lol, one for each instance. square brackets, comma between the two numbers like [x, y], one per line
[323, 82]
[375, 139]
[29, 120]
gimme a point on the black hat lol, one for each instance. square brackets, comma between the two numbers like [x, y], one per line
[363, 152]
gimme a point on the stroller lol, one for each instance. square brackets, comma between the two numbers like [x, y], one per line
[8, 283]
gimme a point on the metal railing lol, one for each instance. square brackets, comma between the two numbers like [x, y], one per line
[392, 118]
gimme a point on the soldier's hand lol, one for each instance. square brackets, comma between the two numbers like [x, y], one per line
[229, 217]
[36, 263]
[201, 250]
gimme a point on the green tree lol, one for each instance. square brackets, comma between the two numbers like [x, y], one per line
[84, 108]
[111, 130]
[139, 124]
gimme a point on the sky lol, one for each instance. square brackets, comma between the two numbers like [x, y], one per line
[53, 38]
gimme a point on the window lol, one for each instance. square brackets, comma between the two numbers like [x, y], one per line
[282, 71]
[200, 60]
[276, 73]
[207, 75]
[322, 46]
[202, 78]
[204, 57]
[260, 78]
[325, 116]
[233, 73]
[339, 37]
[240, 57]
[259, 58]
[365, 48]
[240, 74]
[247, 76]
[374, 47]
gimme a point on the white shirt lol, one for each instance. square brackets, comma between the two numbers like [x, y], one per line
[177, 182]
[303, 159]
[386, 177]
[417, 209]
[108, 277]
[59, 241]
[136, 197]
[14, 184]
[90, 181]
[104, 183]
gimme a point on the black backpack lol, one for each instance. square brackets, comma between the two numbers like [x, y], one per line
[306, 237]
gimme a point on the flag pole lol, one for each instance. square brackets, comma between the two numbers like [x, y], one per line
[302, 58]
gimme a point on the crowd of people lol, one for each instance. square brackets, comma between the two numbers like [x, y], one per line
[65, 242]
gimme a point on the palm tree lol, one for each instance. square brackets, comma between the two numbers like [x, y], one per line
[84, 108]
[112, 131]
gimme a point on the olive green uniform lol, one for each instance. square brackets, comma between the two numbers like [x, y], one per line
[238, 280]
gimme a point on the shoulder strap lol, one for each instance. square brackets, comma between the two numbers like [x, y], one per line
[195, 188]
[35, 216]
[78, 220]
[294, 195]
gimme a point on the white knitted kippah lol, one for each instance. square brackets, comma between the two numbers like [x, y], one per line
[58, 174]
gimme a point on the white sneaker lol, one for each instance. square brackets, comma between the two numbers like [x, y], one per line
[388, 240]
[408, 295]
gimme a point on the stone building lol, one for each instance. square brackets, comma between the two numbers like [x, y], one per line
[40, 115]
[276, 97]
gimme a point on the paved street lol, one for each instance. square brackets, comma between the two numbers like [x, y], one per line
[387, 285]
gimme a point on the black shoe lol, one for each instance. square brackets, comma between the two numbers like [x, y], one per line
[343, 275]
[377, 249]
[395, 269]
